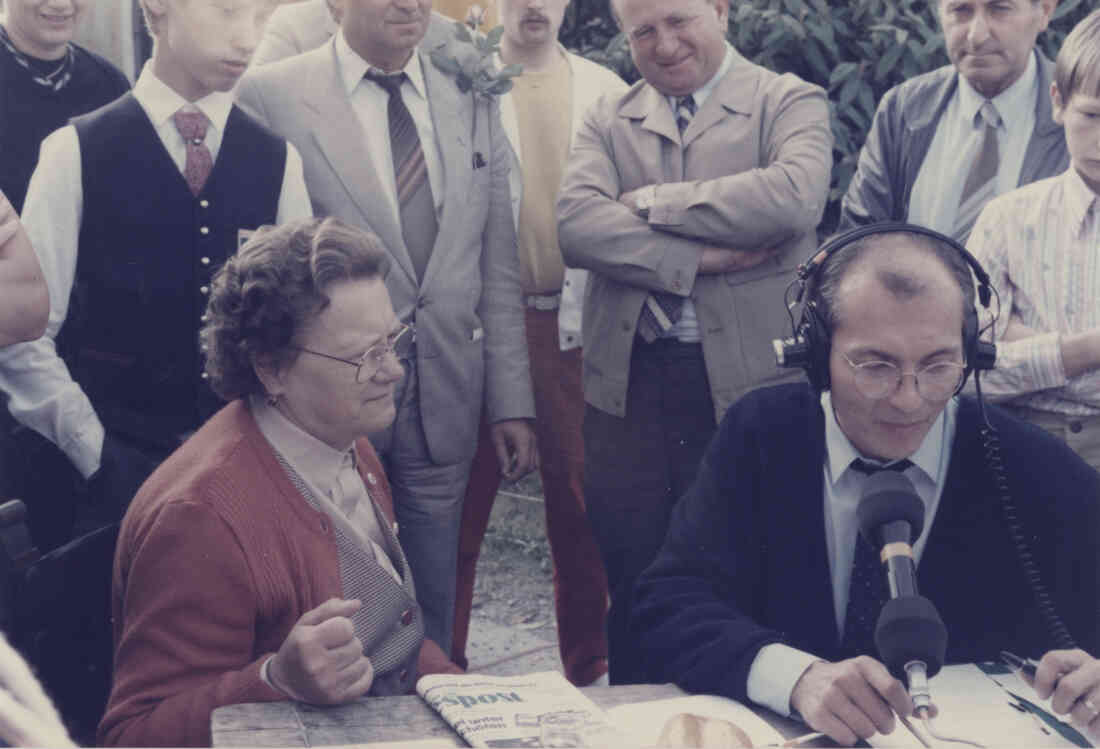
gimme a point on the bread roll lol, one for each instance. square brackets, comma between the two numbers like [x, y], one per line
[687, 730]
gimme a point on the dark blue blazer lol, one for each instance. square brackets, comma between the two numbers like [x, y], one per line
[744, 563]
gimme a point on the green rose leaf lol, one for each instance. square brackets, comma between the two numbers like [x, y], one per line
[464, 82]
[500, 87]
[462, 33]
[511, 71]
[445, 62]
[494, 35]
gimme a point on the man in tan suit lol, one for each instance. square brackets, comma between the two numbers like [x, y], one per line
[690, 199]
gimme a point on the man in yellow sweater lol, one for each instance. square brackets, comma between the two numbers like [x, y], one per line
[540, 115]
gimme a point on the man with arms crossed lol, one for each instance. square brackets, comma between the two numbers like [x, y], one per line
[540, 115]
[764, 589]
[370, 111]
[987, 115]
[689, 198]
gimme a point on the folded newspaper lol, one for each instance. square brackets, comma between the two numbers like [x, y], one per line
[539, 709]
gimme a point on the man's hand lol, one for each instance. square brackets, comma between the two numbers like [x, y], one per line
[517, 453]
[850, 700]
[1071, 678]
[726, 260]
[321, 661]
[631, 199]
[1015, 330]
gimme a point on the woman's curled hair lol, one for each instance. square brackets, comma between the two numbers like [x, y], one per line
[275, 285]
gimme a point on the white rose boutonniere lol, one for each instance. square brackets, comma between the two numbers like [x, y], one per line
[472, 61]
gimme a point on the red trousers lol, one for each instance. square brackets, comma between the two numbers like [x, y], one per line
[580, 585]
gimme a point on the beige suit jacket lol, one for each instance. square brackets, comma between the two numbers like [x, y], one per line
[293, 29]
[753, 172]
[468, 310]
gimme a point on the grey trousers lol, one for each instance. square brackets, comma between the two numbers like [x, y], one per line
[427, 499]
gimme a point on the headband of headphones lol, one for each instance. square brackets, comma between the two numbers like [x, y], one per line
[809, 343]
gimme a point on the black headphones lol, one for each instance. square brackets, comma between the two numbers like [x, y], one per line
[809, 344]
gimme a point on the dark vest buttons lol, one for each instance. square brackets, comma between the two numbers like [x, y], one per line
[1076, 427]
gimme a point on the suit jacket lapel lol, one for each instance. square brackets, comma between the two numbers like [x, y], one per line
[452, 119]
[651, 107]
[731, 94]
[337, 132]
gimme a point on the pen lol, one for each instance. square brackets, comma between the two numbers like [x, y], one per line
[1016, 663]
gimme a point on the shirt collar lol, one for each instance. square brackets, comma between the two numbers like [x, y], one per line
[700, 94]
[353, 67]
[331, 25]
[840, 452]
[1012, 104]
[315, 461]
[161, 101]
[1079, 200]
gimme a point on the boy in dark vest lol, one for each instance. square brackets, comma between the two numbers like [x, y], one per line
[130, 210]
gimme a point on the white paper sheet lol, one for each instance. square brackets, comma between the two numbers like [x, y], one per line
[973, 706]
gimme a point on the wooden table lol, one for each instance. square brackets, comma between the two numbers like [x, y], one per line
[393, 719]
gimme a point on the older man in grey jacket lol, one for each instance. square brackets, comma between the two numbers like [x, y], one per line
[944, 143]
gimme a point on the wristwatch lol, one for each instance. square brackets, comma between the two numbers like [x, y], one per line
[647, 198]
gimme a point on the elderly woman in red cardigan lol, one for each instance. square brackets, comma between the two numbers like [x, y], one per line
[261, 560]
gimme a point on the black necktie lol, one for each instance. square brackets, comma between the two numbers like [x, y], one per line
[867, 590]
[415, 202]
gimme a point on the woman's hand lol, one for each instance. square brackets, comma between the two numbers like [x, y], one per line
[321, 661]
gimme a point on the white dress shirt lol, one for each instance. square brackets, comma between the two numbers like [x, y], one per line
[370, 102]
[42, 394]
[777, 667]
[686, 329]
[935, 198]
[1040, 245]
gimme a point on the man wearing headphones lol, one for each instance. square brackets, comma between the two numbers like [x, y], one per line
[760, 592]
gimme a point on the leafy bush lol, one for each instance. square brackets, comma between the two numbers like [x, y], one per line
[855, 49]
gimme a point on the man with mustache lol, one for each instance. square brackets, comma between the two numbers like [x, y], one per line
[130, 210]
[540, 115]
[943, 144]
[391, 144]
[689, 198]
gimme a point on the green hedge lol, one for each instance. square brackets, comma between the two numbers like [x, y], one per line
[855, 49]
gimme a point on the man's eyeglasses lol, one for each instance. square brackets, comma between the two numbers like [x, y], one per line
[878, 379]
[399, 343]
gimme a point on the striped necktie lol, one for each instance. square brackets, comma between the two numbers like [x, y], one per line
[981, 182]
[416, 204]
[685, 110]
[661, 310]
[867, 589]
